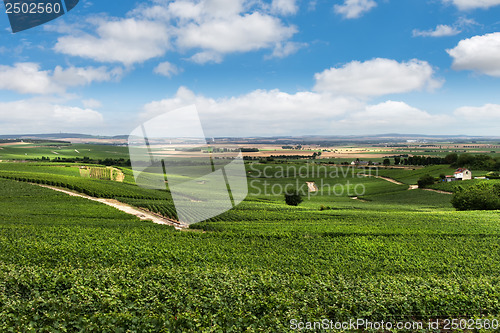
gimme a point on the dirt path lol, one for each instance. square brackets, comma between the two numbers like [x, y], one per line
[411, 187]
[142, 214]
[386, 179]
[437, 191]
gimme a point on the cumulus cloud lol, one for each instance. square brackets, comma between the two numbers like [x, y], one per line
[284, 7]
[444, 30]
[28, 78]
[354, 8]
[479, 53]
[377, 77]
[239, 33]
[273, 112]
[79, 76]
[393, 116]
[167, 69]
[91, 103]
[258, 112]
[441, 30]
[282, 50]
[126, 41]
[483, 114]
[27, 116]
[209, 28]
[473, 4]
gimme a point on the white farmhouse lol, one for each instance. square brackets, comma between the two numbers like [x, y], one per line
[463, 174]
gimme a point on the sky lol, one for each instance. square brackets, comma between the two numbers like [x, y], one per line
[257, 68]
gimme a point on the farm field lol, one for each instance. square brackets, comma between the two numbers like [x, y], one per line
[79, 150]
[71, 264]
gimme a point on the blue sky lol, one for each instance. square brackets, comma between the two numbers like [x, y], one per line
[258, 68]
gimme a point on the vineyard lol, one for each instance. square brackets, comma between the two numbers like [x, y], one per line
[92, 187]
[108, 173]
[70, 264]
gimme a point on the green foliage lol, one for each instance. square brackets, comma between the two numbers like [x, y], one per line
[69, 264]
[482, 196]
[478, 162]
[293, 198]
[493, 175]
[451, 158]
[455, 185]
[92, 187]
[411, 176]
[425, 181]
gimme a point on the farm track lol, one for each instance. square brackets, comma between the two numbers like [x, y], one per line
[142, 214]
[411, 187]
[386, 179]
[437, 191]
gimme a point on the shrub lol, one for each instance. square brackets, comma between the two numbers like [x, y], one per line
[425, 181]
[493, 175]
[482, 196]
[293, 199]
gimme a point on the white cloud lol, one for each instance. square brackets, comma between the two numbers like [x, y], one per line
[284, 7]
[32, 116]
[441, 30]
[28, 78]
[210, 28]
[377, 77]
[91, 103]
[479, 53]
[260, 112]
[79, 76]
[483, 114]
[394, 117]
[273, 112]
[282, 50]
[167, 69]
[355, 8]
[478, 120]
[207, 57]
[472, 4]
[214, 28]
[239, 33]
[127, 41]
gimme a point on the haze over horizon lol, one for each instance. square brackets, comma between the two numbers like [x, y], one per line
[258, 68]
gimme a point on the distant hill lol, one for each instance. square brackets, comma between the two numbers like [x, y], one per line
[389, 137]
[62, 136]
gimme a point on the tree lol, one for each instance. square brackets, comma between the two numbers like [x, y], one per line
[482, 196]
[294, 198]
[451, 158]
[425, 181]
[397, 160]
[387, 162]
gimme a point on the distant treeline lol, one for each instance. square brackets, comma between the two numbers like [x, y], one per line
[477, 162]
[55, 142]
[88, 160]
[249, 150]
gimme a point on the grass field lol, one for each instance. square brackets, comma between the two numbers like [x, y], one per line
[69, 264]
[37, 151]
